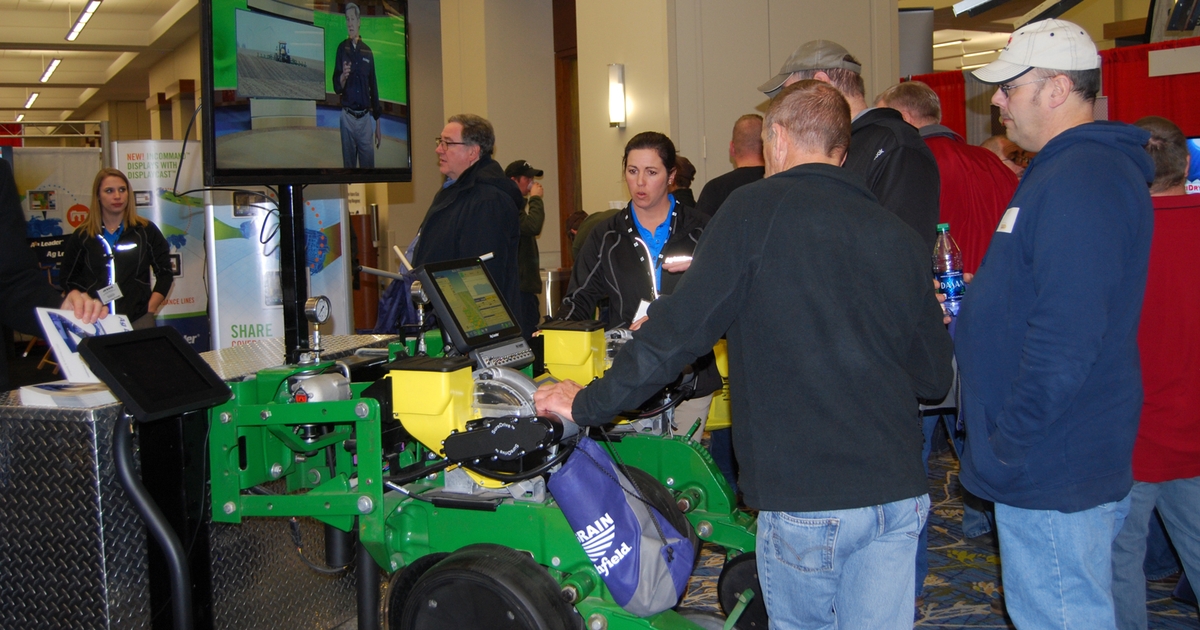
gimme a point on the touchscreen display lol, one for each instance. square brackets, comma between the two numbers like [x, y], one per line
[473, 301]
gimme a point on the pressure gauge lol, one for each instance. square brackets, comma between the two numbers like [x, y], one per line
[316, 309]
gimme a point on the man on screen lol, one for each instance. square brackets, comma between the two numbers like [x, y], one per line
[354, 82]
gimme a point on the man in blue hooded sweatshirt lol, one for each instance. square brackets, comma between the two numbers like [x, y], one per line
[1047, 336]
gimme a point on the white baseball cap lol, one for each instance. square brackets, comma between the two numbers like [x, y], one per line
[1050, 44]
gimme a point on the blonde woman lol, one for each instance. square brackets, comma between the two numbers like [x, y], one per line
[136, 246]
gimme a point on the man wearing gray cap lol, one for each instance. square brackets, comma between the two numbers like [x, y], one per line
[886, 151]
[1047, 335]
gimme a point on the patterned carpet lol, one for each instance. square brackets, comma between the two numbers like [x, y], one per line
[964, 577]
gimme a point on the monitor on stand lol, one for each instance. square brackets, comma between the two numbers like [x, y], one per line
[473, 314]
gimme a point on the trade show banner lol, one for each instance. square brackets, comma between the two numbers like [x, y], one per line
[54, 185]
[244, 267]
[152, 167]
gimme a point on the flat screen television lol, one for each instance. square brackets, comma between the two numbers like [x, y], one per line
[470, 309]
[1193, 176]
[305, 92]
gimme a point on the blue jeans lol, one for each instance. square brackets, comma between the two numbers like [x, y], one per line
[840, 568]
[1178, 503]
[1057, 567]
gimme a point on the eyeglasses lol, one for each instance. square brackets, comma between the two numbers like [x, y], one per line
[442, 142]
[1007, 89]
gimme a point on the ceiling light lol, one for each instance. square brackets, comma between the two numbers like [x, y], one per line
[951, 42]
[83, 18]
[50, 70]
[982, 52]
[30, 100]
[972, 67]
[20, 117]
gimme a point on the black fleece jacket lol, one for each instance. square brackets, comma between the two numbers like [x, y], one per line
[898, 167]
[834, 333]
[475, 215]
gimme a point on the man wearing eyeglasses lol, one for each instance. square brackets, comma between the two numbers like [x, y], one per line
[476, 211]
[1047, 335]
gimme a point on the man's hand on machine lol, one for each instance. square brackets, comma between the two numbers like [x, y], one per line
[557, 398]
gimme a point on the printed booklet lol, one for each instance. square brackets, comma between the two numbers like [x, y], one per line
[64, 394]
[64, 333]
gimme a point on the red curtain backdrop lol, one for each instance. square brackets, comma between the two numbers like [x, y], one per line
[951, 91]
[10, 135]
[1132, 93]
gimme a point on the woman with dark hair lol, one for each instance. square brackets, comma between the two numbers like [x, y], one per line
[114, 231]
[639, 254]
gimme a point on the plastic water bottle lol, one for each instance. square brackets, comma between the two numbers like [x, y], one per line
[948, 269]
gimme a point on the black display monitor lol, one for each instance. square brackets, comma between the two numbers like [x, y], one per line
[471, 311]
[290, 96]
[154, 372]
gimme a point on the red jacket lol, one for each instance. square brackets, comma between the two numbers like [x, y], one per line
[976, 189]
[1168, 438]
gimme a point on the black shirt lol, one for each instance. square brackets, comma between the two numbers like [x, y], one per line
[834, 332]
[898, 167]
[361, 92]
[718, 188]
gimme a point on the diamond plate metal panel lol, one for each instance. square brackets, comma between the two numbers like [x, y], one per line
[72, 547]
[233, 364]
[259, 583]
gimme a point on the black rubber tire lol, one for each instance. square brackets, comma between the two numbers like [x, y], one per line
[662, 500]
[704, 620]
[400, 585]
[739, 574]
[487, 586]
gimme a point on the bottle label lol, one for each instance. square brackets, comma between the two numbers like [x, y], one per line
[951, 285]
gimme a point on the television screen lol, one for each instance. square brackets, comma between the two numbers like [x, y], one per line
[300, 92]
[1193, 176]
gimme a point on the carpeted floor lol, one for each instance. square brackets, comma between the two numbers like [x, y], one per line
[964, 577]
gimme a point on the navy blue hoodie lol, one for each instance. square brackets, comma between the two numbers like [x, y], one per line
[1047, 339]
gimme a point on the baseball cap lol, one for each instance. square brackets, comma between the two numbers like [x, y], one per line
[819, 54]
[1050, 44]
[521, 168]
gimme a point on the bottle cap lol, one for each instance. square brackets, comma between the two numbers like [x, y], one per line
[943, 227]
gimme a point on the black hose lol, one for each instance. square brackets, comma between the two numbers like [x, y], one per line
[172, 548]
[367, 574]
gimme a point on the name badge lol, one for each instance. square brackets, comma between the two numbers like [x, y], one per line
[110, 293]
[1008, 221]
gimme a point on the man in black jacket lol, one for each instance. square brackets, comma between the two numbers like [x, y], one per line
[834, 330]
[475, 212]
[888, 152]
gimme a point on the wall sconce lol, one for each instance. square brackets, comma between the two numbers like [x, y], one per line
[616, 95]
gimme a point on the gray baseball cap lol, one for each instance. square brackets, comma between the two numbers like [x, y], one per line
[820, 54]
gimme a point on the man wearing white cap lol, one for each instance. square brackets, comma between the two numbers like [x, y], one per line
[886, 151]
[1047, 335]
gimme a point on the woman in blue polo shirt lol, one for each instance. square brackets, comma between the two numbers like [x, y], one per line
[640, 253]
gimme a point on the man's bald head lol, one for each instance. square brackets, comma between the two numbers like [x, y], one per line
[746, 147]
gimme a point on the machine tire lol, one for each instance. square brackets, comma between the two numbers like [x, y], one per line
[739, 574]
[400, 585]
[663, 501]
[704, 620]
[487, 586]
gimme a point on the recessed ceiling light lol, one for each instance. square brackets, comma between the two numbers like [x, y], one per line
[951, 42]
[50, 70]
[83, 18]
